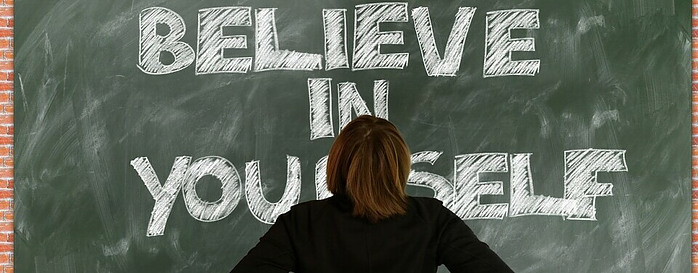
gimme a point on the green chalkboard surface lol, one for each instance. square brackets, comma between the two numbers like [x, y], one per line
[166, 136]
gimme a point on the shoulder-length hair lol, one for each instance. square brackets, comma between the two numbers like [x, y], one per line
[369, 163]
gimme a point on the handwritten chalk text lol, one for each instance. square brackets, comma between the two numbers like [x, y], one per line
[461, 194]
[367, 41]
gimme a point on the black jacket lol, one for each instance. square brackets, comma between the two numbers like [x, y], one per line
[323, 237]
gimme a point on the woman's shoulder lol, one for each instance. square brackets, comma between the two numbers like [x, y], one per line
[306, 209]
[428, 208]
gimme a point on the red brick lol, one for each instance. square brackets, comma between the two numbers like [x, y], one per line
[6, 118]
[5, 258]
[5, 44]
[6, 227]
[5, 247]
[5, 86]
[6, 151]
[6, 65]
[9, 109]
[9, 2]
[9, 216]
[5, 205]
[11, 22]
[9, 269]
[6, 12]
[6, 193]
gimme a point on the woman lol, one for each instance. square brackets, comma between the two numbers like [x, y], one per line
[369, 224]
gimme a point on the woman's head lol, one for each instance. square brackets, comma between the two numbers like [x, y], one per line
[369, 162]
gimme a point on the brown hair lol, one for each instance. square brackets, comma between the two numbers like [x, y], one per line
[369, 162]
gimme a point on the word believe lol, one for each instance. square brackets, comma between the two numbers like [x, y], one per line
[212, 41]
[462, 195]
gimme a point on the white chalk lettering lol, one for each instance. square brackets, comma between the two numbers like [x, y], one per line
[334, 22]
[499, 45]
[581, 168]
[321, 191]
[212, 42]
[164, 195]
[349, 98]
[269, 56]
[151, 45]
[443, 190]
[462, 196]
[433, 64]
[320, 101]
[227, 174]
[368, 38]
[468, 186]
[260, 207]
[523, 201]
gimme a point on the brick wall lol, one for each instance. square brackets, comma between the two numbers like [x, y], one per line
[6, 133]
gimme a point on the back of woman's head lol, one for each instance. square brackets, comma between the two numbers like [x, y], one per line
[369, 162]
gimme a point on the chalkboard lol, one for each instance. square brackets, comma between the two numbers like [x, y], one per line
[165, 136]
